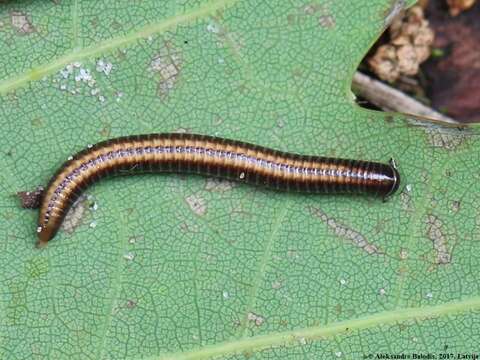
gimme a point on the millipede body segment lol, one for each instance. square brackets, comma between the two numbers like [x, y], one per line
[211, 156]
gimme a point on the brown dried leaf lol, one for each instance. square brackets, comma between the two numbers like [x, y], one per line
[410, 41]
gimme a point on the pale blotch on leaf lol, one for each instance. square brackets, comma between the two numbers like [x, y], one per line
[21, 23]
[258, 320]
[276, 285]
[220, 185]
[406, 199]
[440, 136]
[75, 215]
[312, 8]
[131, 304]
[197, 204]
[448, 139]
[226, 38]
[167, 64]
[326, 21]
[293, 254]
[313, 11]
[345, 232]
[438, 238]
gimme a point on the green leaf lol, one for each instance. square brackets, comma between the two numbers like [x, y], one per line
[186, 267]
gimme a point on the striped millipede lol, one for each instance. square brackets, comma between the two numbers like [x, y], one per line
[212, 156]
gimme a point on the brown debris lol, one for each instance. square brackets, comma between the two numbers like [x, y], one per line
[31, 199]
[458, 6]
[410, 40]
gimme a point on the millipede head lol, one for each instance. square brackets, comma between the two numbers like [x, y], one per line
[396, 178]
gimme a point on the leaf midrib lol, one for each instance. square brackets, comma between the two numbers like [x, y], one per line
[293, 337]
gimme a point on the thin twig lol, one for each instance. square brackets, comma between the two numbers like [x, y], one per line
[390, 99]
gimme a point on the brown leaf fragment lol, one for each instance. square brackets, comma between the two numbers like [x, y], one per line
[410, 44]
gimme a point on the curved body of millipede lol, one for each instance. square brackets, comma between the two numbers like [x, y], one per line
[212, 156]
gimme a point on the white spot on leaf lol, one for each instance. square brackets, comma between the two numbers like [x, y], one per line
[129, 256]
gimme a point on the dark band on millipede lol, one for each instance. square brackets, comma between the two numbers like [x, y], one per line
[211, 156]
